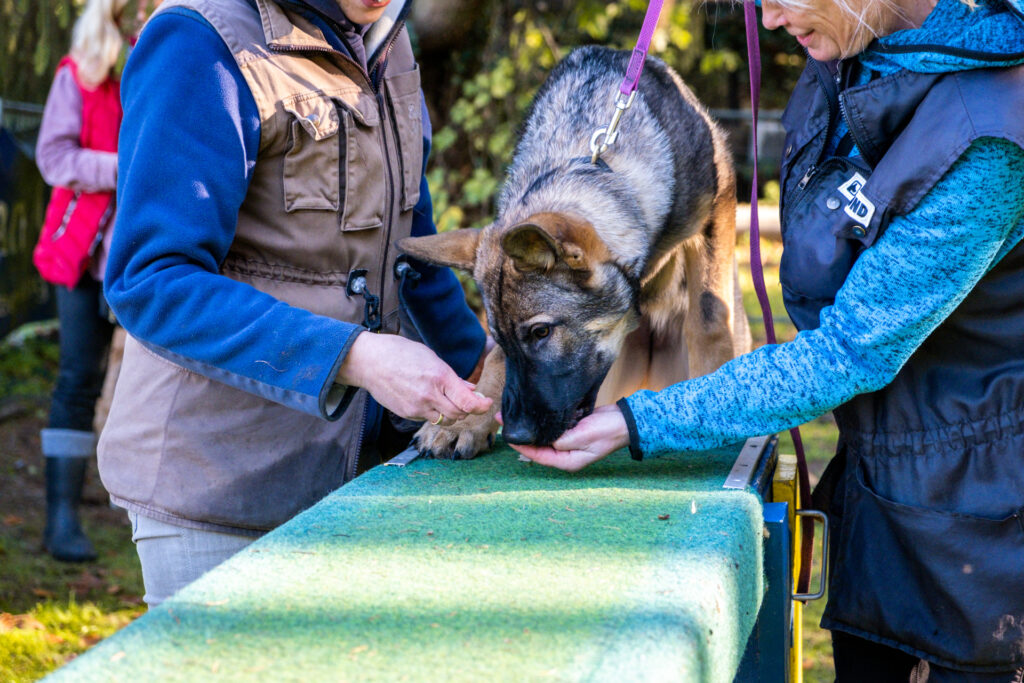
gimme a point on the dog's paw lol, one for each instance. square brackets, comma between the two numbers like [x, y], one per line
[463, 440]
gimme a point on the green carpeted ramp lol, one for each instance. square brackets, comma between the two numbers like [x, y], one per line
[492, 569]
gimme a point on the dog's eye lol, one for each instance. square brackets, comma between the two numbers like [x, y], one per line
[540, 331]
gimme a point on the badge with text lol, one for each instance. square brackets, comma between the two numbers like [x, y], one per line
[858, 207]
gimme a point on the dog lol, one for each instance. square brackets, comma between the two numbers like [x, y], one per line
[598, 279]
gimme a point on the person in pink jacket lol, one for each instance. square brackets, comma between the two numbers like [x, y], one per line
[76, 154]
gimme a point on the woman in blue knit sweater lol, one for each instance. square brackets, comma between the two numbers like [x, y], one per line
[903, 268]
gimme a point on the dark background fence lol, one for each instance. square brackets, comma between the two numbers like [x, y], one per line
[23, 195]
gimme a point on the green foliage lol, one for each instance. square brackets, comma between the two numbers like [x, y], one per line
[28, 366]
[34, 35]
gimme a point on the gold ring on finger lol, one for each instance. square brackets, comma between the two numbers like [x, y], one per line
[440, 418]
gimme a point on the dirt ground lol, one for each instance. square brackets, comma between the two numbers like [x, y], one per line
[28, 575]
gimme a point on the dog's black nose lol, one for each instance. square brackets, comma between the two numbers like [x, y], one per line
[520, 433]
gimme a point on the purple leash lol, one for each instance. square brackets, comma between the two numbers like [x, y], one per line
[627, 90]
[757, 271]
[623, 99]
[643, 44]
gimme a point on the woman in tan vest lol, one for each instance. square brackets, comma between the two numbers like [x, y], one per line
[272, 154]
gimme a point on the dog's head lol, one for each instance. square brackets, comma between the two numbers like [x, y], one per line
[558, 305]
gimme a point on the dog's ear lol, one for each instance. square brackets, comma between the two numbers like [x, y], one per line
[550, 238]
[531, 248]
[454, 248]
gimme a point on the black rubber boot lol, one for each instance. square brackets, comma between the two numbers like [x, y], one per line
[64, 538]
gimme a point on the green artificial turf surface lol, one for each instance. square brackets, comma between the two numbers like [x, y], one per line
[492, 568]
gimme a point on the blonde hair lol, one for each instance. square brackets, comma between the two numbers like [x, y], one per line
[96, 40]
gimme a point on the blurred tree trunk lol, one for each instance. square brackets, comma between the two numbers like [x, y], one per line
[34, 35]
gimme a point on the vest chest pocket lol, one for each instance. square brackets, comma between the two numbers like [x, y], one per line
[821, 241]
[335, 159]
[407, 110]
[311, 174]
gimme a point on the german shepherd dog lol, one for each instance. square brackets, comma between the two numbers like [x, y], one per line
[599, 279]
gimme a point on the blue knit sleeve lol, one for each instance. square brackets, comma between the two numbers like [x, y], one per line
[187, 149]
[897, 293]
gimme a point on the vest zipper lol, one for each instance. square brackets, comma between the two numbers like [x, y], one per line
[62, 228]
[382, 107]
[807, 177]
[359, 441]
[829, 96]
[382, 62]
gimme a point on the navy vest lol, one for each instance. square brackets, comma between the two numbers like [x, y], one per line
[928, 505]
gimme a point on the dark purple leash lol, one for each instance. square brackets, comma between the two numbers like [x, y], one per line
[757, 271]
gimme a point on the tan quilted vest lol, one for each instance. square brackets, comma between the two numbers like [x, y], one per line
[333, 189]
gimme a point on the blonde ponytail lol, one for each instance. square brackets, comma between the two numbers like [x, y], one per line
[96, 41]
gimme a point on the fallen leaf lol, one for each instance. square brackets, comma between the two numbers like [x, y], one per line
[13, 520]
[42, 593]
[86, 582]
[663, 517]
[24, 622]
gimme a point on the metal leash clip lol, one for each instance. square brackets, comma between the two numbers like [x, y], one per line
[611, 131]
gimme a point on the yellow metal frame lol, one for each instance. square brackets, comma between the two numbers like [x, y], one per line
[786, 490]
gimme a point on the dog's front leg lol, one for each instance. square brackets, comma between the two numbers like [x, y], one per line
[710, 286]
[470, 436]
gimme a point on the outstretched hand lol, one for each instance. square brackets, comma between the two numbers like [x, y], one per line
[409, 379]
[597, 435]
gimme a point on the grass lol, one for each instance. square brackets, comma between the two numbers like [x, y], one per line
[52, 633]
[50, 611]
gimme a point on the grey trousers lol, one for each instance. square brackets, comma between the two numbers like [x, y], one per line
[174, 556]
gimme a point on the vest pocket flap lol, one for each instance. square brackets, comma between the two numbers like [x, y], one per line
[362, 105]
[315, 112]
[406, 83]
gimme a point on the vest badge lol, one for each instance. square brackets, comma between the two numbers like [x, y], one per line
[858, 207]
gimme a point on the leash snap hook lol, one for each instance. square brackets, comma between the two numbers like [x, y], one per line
[611, 131]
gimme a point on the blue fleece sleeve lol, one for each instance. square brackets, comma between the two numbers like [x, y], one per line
[437, 304]
[897, 293]
[187, 149]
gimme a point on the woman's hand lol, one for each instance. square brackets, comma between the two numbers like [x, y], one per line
[409, 379]
[600, 433]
